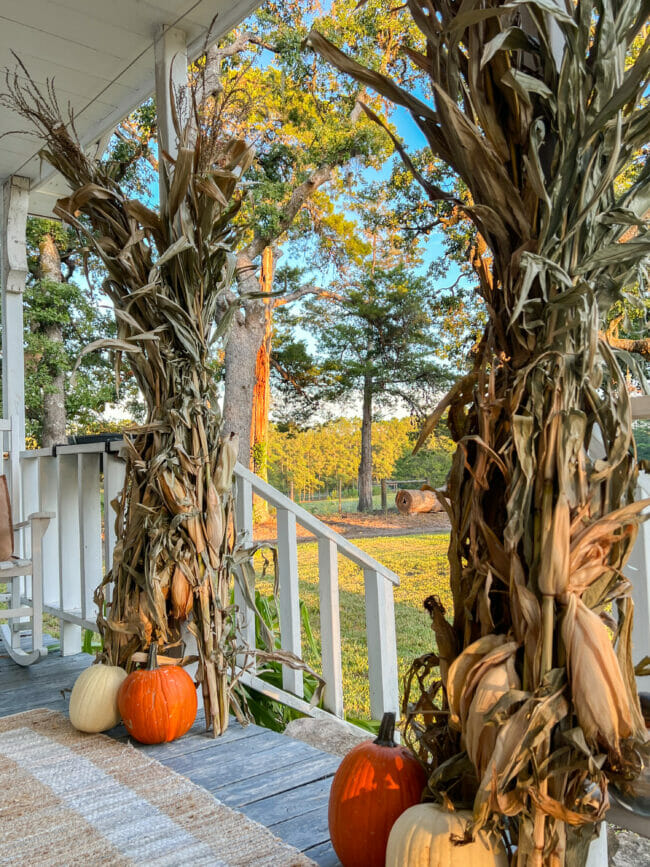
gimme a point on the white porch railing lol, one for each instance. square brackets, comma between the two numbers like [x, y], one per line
[378, 589]
[77, 484]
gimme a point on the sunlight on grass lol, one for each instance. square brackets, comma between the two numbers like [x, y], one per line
[420, 562]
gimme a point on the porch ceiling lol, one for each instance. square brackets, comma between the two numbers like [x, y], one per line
[101, 57]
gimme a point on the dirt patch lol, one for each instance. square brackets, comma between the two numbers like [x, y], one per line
[354, 525]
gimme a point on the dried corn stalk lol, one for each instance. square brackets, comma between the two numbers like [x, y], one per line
[168, 279]
[538, 108]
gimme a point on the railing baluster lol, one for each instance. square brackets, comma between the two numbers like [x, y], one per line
[289, 597]
[382, 644]
[90, 524]
[29, 479]
[48, 488]
[114, 469]
[330, 626]
[29, 485]
[244, 520]
[69, 550]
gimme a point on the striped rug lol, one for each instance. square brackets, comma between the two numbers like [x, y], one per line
[75, 799]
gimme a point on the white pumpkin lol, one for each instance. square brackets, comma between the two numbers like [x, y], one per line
[421, 838]
[93, 702]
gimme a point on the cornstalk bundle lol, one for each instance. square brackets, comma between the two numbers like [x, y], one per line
[168, 277]
[529, 707]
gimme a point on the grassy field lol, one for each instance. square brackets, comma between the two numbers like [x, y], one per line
[420, 562]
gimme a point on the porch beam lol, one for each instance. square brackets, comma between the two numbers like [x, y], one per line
[170, 55]
[14, 204]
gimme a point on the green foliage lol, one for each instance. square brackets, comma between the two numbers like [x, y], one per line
[316, 458]
[72, 308]
[381, 335]
[264, 710]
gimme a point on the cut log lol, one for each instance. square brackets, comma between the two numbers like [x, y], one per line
[410, 502]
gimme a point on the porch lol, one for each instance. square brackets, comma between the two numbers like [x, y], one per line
[273, 779]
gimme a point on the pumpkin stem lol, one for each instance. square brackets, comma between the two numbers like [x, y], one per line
[152, 661]
[385, 738]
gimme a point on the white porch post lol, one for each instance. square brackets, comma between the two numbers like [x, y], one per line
[170, 52]
[13, 273]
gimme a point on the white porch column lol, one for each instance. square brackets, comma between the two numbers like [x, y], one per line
[170, 52]
[13, 272]
[638, 571]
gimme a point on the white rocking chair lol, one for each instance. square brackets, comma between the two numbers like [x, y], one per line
[25, 597]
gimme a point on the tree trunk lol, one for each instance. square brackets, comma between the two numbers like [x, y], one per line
[243, 345]
[54, 418]
[365, 465]
[262, 387]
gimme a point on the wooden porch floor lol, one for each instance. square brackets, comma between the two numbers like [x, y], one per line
[276, 780]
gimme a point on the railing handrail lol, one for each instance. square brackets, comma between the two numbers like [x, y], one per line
[314, 525]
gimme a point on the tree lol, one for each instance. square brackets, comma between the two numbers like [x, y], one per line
[312, 142]
[539, 110]
[61, 318]
[377, 340]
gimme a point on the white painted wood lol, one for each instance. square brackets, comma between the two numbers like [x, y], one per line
[170, 51]
[14, 202]
[292, 701]
[114, 468]
[25, 580]
[318, 528]
[48, 494]
[244, 523]
[640, 405]
[382, 644]
[637, 570]
[289, 597]
[597, 853]
[330, 626]
[101, 56]
[90, 525]
[30, 499]
[69, 550]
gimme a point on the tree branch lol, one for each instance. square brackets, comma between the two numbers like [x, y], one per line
[639, 347]
[290, 297]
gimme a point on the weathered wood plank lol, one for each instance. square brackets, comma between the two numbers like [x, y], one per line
[305, 830]
[323, 854]
[228, 761]
[283, 780]
[288, 805]
[198, 739]
[222, 769]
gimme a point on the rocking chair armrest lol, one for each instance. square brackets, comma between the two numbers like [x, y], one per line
[35, 516]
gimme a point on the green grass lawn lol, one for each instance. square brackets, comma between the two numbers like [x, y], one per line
[420, 562]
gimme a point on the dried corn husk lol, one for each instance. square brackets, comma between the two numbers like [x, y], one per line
[226, 463]
[461, 669]
[494, 681]
[182, 596]
[541, 488]
[554, 568]
[599, 694]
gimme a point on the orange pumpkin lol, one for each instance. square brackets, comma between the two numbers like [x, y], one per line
[157, 704]
[373, 786]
